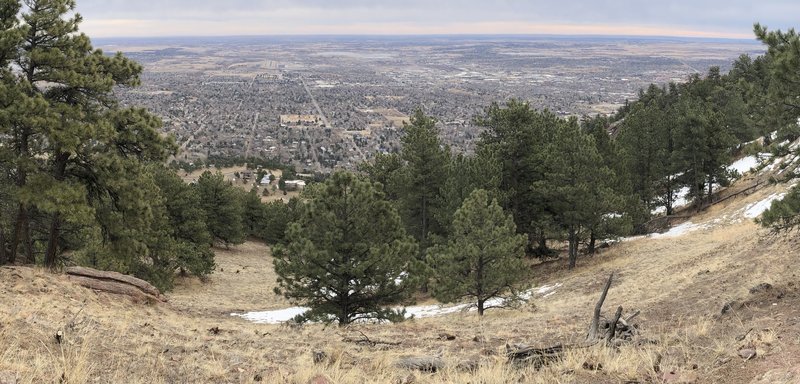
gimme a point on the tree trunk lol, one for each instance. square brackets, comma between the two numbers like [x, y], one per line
[51, 254]
[573, 248]
[592, 241]
[479, 285]
[3, 253]
[21, 234]
[669, 196]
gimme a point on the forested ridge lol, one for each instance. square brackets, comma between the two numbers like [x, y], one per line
[84, 180]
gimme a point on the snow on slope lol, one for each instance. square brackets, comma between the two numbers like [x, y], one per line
[418, 311]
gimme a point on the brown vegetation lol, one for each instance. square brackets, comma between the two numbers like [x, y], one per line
[700, 321]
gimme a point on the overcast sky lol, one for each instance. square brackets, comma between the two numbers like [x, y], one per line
[702, 18]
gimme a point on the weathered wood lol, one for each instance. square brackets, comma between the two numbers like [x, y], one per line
[612, 332]
[113, 287]
[537, 357]
[421, 363]
[593, 327]
[114, 277]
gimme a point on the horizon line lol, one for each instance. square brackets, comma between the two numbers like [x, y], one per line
[401, 35]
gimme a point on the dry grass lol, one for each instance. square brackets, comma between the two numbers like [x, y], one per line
[679, 284]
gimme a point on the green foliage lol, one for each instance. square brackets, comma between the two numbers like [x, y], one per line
[223, 208]
[278, 215]
[426, 161]
[347, 255]
[187, 223]
[783, 51]
[464, 175]
[783, 215]
[514, 139]
[483, 258]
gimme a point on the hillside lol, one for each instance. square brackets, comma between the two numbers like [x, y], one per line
[679, 281]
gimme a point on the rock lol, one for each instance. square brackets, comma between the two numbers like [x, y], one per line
[747, 353]
[479, 339]
[319, 379]
[763, 287]
[8, 377]
[779, 376]
[446, 336]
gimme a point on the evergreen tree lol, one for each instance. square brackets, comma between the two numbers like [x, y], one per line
[783, 50]
[278, 215]
[187, 223]
[425, 172]
[483, 258]
[222, 206]
[390, 171]
[783, 215]
[576, 183]
[68, 129]
[514, 138]
[347, 255]
[254, 213]
[464, 175]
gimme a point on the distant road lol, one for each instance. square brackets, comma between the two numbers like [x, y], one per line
[316, 105]
[250, 138]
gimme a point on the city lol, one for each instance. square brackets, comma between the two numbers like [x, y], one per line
[328, 102]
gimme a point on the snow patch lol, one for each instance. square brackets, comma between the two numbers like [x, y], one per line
[417, 311]
[272, 317]
[679, 230]
[744, 165]
[756, 209]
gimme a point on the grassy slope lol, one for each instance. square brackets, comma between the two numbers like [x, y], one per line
[679, 284]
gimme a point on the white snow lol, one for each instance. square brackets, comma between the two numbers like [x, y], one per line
[756, 209]
[272, 317]
[417, 311]
[679, 230]
[744, 164]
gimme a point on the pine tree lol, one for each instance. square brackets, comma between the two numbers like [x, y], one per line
[483, 258]
[514, 139]
[783, 50]
[464, 175]
[223, 208]
[68, 126]
[347, 255]
[426, 166]
[187, 223]
[390, 171]
[576, 183]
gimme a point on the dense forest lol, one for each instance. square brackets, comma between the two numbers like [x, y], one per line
[83, 179]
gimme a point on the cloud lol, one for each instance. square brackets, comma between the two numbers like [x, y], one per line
[215, 17]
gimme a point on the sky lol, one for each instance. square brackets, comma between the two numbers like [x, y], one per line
[690, 18]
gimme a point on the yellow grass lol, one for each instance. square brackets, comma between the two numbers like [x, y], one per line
[679, 285]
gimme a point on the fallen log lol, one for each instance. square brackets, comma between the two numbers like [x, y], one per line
[537, 357]
[116, 287]
[114, 277]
